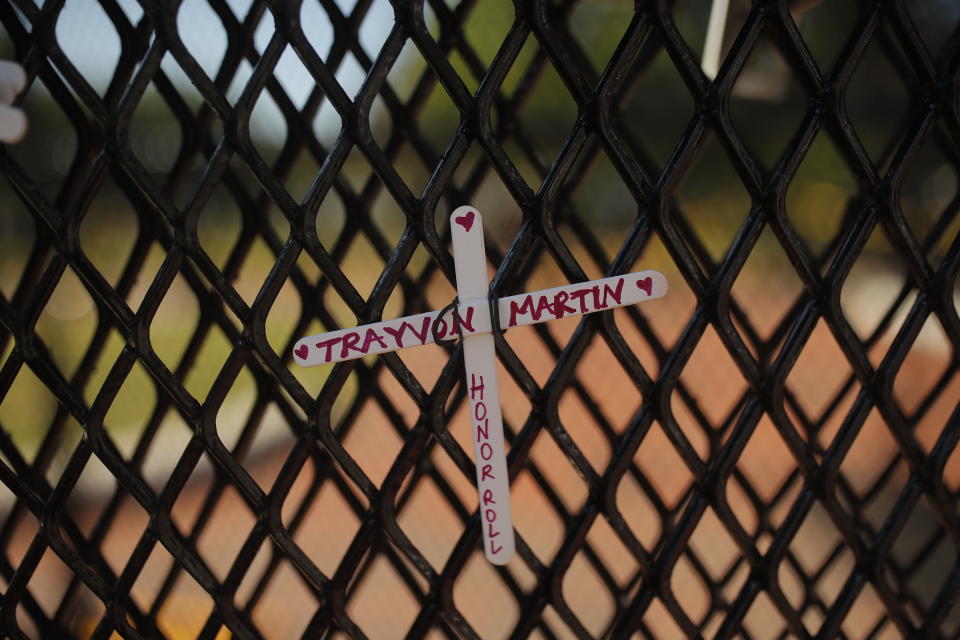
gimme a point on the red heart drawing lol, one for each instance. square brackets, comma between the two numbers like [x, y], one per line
[302, 351]
[465, 221]
[646, 284]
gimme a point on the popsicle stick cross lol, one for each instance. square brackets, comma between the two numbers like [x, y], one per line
[470, 319]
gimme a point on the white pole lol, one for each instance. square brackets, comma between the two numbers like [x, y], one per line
[714, 40]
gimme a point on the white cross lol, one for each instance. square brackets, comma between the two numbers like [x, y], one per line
[472, 321]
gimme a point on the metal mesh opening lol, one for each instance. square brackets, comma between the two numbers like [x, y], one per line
[770, 451]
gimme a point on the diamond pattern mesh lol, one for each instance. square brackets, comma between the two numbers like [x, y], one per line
[769, 452]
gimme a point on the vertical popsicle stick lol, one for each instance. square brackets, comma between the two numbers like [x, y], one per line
[493, 486]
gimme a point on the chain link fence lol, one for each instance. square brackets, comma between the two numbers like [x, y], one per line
[768, 452]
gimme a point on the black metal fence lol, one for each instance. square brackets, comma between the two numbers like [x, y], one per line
[206, 182]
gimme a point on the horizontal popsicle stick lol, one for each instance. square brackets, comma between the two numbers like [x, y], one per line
[474, 318]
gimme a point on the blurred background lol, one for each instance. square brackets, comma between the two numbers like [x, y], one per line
[603, 222]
